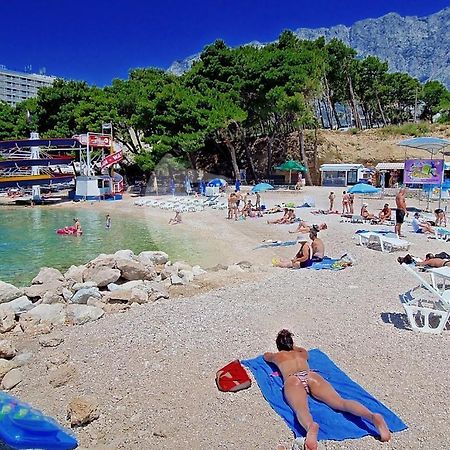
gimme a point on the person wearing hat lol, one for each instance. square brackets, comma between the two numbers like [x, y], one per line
[365, 213]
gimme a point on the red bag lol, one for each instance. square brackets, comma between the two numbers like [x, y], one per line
[233, 377]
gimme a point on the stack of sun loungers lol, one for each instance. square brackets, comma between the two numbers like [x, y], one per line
[182, 204]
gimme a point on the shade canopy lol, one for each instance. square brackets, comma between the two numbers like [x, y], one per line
[363, 188]
[217, 182]
[260, 187]
[292, 165]
[430, 144]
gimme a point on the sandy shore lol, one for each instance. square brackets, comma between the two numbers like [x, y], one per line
[152, 369]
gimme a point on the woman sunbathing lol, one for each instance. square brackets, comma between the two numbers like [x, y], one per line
[281, 219]
[429, 261]
[300, 382]
[365, 212]
[303, 227]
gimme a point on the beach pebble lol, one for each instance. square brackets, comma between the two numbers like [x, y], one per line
[155, 257]
[176, 280]
[67, 294]
[5, 367]
[48, 275]
[75, 273]
[46, 314]
[51, 341]
[7, 349]
[81, 296]
[12, 379]
[100, 276]
[7, 319]
[9, 292]
[92, 301]
[186, 275]
[81, 314]
[22, 359]
[134, 270]
[197, 271]
[86, 284]
[20, 305]
[50, 298]
[124, 254]
[61, 375]
[82, 410]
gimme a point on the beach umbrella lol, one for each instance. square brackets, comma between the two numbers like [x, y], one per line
[260, 187]
[363, 188]
[432, 145]
[217, 182]
[290, 166]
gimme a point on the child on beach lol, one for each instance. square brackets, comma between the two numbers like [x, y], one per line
[176, 219]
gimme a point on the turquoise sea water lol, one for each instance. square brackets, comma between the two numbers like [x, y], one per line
[28, 240]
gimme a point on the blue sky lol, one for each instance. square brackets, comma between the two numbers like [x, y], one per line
[99, 40]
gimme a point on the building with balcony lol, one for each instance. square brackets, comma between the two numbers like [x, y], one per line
[18, 86]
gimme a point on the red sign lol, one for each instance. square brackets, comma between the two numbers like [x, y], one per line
[99, 140]
[112, 159]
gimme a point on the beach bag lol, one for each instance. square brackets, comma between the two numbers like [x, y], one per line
[233, 377]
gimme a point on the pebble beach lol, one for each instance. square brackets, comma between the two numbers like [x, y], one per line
[150, 367]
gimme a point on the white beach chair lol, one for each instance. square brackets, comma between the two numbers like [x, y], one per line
[387, 243]
[430, 312]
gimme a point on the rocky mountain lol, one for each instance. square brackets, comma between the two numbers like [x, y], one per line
[419, 46]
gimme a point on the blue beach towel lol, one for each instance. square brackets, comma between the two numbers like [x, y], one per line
[326, 263]
[277, 244]
[333, 425]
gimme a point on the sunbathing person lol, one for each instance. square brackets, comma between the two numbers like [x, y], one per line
[318, 247]
[385, 213]
[303, 227]
[365, 212]
[429, 261]
[421, 227]
[441, 218]
[247, 210]
[291, 217]
[281, 219]
[302, 259]
[299, 382]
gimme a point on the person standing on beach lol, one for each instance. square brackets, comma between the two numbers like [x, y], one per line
[331, 198]
[400, 212]
[351, 201]
[345, 201]
[108, 222]
[299, 382]
[258, 201]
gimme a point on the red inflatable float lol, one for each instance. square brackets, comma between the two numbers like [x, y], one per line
[69, 230]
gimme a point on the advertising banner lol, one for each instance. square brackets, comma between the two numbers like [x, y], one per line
[110, 160]
[423, 171]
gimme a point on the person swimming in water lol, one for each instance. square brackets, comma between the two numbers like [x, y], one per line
[108, 222]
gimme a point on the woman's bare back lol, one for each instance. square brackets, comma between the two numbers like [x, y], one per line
[289, 362]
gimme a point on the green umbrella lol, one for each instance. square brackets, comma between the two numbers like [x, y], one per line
[290, 166]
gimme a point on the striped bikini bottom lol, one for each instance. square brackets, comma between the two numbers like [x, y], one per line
[302, 376]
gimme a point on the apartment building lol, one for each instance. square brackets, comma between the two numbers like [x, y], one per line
[18, 86]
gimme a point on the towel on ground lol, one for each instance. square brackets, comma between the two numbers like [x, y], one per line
[333, 425]
[277, 244]
[327, 263]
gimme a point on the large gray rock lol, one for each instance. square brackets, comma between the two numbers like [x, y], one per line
[177, 280]
[84, 285]
[47, 314]
[75, 273]
[181, 265]
[186, 275]
[103, 260]
[20, 305]
[155, 258]
[9, 292]
[155, 291]
[50, 298]
[12, 379]
[101, 276]
[5, 367]
[81, 296]
[47, 275]
[38, 290]
[7, 349]
[22, 359]
[198, 271]
[81, 314]
[7, 319]
[126, 296]
[124, 254]
[135, 270]
[139, 284]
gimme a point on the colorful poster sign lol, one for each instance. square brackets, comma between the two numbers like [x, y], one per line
[112, 159]
[99, 140]
[423, 171]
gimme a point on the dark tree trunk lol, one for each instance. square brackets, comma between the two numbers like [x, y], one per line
[301, 138]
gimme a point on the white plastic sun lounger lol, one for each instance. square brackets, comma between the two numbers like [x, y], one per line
[430, 312]
[387, 243]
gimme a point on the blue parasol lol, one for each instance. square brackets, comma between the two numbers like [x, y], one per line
[363, 188]
[262, 187]
[217, 182]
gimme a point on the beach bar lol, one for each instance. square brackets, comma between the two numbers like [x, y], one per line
[341, 174]
[390, 173]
